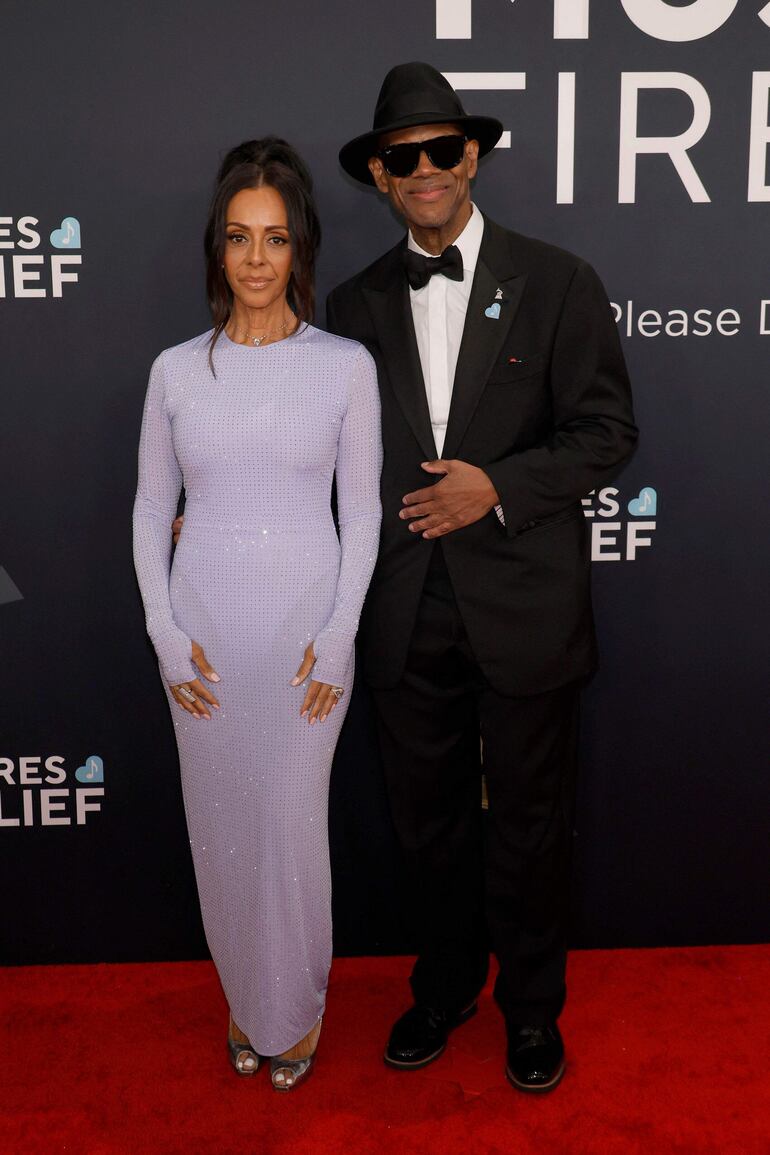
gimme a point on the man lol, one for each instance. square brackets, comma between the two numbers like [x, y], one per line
[505, 400]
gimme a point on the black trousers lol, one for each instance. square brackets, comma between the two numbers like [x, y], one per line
[498, 879]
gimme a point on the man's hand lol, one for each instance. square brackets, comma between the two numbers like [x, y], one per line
[176, 528]
[464, 495]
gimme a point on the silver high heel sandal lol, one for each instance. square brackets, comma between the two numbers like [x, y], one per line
[286, 1074]
[243, 1058]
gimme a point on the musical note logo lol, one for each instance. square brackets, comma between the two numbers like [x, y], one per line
[67, 236]
[92, 769]
[646, 504]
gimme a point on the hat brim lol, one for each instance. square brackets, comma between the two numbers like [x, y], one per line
[355, 155]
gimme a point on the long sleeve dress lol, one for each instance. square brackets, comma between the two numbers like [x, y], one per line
[259, 572]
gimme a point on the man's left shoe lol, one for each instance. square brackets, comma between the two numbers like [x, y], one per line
[535, 1058]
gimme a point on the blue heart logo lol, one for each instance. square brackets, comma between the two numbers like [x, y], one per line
[645, 505]
[493, 311]
[68, 236]
[92, 770]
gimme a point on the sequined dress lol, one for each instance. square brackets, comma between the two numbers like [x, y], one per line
[260, 572]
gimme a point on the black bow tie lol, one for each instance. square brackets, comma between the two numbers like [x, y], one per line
[420, 269]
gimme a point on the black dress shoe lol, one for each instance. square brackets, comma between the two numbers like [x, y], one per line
[421, 1035]
[535, 1058]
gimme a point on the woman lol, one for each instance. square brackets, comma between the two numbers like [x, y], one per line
[254, 418]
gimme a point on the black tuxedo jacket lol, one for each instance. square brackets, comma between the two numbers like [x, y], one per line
[541, 402]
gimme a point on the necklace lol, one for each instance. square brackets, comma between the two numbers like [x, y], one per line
[257, 340]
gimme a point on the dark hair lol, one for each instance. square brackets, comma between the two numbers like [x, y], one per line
[253, 164]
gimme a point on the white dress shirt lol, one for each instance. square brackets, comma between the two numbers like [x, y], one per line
[438, 312]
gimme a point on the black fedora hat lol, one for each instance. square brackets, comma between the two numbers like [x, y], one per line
[414, 94]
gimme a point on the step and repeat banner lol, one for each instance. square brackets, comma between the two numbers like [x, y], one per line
[636, 135]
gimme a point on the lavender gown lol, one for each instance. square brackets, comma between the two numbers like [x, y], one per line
[260, 572]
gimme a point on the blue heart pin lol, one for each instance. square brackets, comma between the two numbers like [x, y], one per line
[493, 311]
[92, 770]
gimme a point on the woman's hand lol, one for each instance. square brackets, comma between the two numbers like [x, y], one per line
[321, 698]
[193, 696]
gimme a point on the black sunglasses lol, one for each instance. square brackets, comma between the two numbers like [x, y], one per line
[442, 152]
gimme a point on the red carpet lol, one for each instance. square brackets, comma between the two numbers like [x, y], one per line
[667, 1052]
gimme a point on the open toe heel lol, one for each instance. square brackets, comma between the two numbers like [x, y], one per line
[286, 1074]
[243, 1058]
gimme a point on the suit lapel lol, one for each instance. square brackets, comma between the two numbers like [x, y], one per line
[483, 336]
[388, 302]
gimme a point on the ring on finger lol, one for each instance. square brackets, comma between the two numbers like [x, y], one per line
[186, 693]
[338, 691]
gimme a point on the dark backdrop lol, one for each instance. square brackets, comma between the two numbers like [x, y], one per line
[116, 116]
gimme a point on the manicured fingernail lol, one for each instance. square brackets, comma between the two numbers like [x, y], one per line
[216, 705]
[322, 718]
[312, 721]
[215, 677]
[294, 682]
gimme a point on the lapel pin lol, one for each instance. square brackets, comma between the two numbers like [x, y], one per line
[516, 361]
[493, 310]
